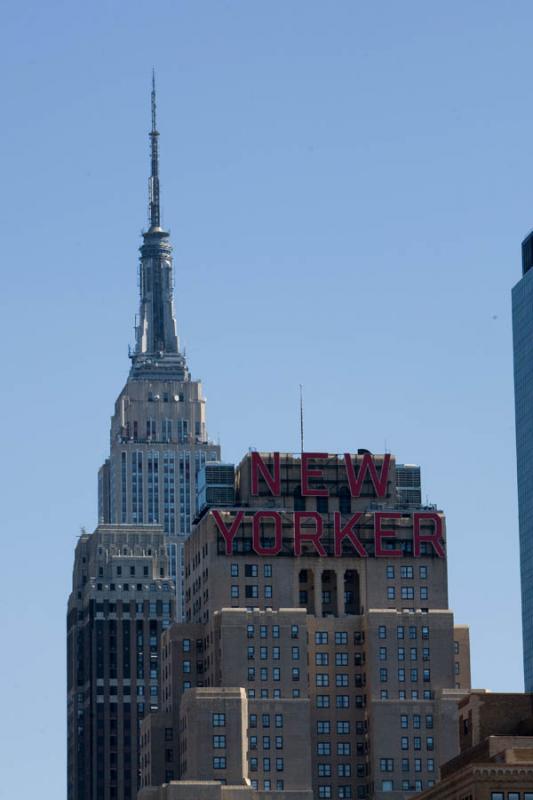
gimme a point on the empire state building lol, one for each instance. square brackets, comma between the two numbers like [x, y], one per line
[127, 583]
[159, 439]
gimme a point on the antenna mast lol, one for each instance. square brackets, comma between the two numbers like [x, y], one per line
[153, 184]
[301, 418]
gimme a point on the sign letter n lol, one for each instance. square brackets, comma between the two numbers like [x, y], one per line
[259, 468]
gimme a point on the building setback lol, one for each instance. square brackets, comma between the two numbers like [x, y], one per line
[496, 757]
[357, 655]
[523, 385]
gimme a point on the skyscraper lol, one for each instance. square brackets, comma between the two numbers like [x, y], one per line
[127, 582]
[325, 598]
[523, 383]
[159, 439]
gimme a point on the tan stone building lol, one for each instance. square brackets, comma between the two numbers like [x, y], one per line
[340, 627]
[496, 758]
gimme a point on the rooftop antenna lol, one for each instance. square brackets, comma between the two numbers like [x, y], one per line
[153, 184]
[301, 418]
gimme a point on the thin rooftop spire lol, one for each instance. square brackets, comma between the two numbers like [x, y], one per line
[154, 213]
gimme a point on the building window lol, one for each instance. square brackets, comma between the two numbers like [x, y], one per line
[386, 764]
[219, 742]
[406, 572]
[219, 762]
[218, 720]
[408, 592]
[234, 570]
[341, 659]
[324, 770]
[321, 637]
[267, 570]
[383, 675]
[404, 743]
[382, 632]
[323, 748]
[342, 701]
[391, 593]
[387, 786]
[250, 570]
[423, 572]
[343, 726]
[322, 701]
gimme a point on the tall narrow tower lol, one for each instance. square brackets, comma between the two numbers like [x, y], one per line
[159, 440]
[523, 381]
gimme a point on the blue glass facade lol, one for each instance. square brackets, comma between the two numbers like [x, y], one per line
[523, 380]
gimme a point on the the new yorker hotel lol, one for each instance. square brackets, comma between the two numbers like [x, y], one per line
[321, 595]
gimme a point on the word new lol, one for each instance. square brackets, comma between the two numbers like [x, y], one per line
[272, 479]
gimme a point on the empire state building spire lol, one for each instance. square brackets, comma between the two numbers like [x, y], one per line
[153, 189]
[157, 353]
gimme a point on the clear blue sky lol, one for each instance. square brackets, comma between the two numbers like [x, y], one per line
[347, 186]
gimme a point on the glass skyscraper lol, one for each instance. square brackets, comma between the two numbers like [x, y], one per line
[523, 381]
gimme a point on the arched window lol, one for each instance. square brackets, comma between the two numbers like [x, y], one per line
[322, 505]
[299, 501]
[345, 500]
